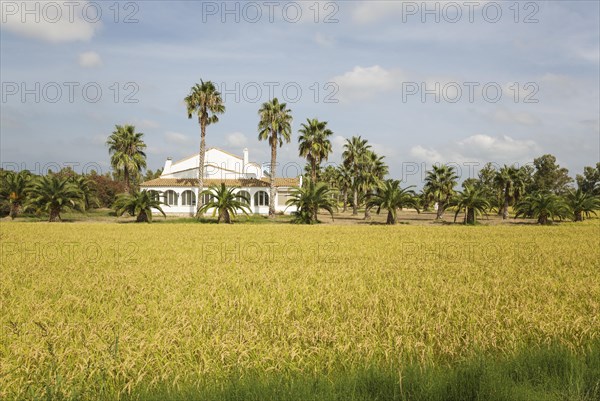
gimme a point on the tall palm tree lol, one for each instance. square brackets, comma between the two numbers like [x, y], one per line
[309, 199]
[391, 198]
[582, 204]
[206, 102]
[509, 180]
[126, 148]
[344, 184]
[354, 155]
[275, 126]
[225, 203]
[13, 190]
[543, 206]
[440, 182]
[139, 204]
[372, 172]
[53, 194]
[314, 143]
[472, 201]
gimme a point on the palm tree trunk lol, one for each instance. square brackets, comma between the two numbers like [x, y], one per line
[470, 216]
[345, 200]
[578, 215]
[543, 219]
[201, 157]
[440, 212]
[54, 215]
[272, 176]
[142, 217]
[226, 217]
[126, 179]
[14, 210]
[313, 171]
[355, 203]
[505, 207]
[390, 218]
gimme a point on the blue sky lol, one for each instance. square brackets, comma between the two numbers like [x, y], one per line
[374, 58]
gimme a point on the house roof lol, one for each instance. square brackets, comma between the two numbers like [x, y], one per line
[212, 148]
[242, 182]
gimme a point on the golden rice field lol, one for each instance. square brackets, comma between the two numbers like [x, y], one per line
[98, 311]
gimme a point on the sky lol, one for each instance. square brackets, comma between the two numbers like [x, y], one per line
[425, 82]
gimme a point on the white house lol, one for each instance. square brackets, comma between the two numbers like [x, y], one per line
[178, 183]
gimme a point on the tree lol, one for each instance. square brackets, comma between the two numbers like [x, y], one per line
[150, 175]
[204, 101]
[275, 126]
[582, 204]
[106, 188]
[543, 206]
[314, 143]
[371, 174]
[354, 155]
[440, 182]
[13, 190]
[52, 194]
[590, 180]
[344, 184]
[225, 203]
[472, 202]
[88, 191]
[139, 204]
[549, 176]
[310, 199]
[126, 148]
[391, 198]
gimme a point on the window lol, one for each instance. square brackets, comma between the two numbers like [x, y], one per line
[188, 198]
[171, 198]
[261, 198]
[246, 195]
[207, 198]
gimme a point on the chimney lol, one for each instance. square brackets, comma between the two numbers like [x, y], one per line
[167, 168]
[245, 159]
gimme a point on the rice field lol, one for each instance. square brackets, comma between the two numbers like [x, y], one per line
[99, 311]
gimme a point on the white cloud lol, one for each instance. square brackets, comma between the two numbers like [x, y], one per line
[89, 59]
[53, 22]
[479, 148]
[236, 139]
[323, 40]
[176, 137]
[365, 82]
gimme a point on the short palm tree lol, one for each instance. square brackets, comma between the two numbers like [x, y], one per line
[206, 102]
[225, 203]
[88, 191]
[440, 183]
[391, 197]
[140, 204]
[372, 171]
[582, 204]
[275, 126]
[126, 148]
[309, 199]
[314, 143]
[543, 206]
[355, 152]
[472, 202]
[53, 194]
[344, 183]
[13, 190]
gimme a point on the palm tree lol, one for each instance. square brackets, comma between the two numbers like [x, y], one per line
[371, 174]
[344, 184]
[275, 126]
[582, 204]
[472, 201]
[543, 206]
[204, 101]
[53, 194]
[355, 152]
[440, 182]
[309, 199]
[139, 204]
[314, 144]
[510, 181]
[225, 203]
[391, 198]
[13, 190]
[126, 148]
[88, 191]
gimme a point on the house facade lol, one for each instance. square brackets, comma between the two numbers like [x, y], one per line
[178, 185]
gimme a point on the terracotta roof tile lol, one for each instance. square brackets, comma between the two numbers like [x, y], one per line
[242, 182]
